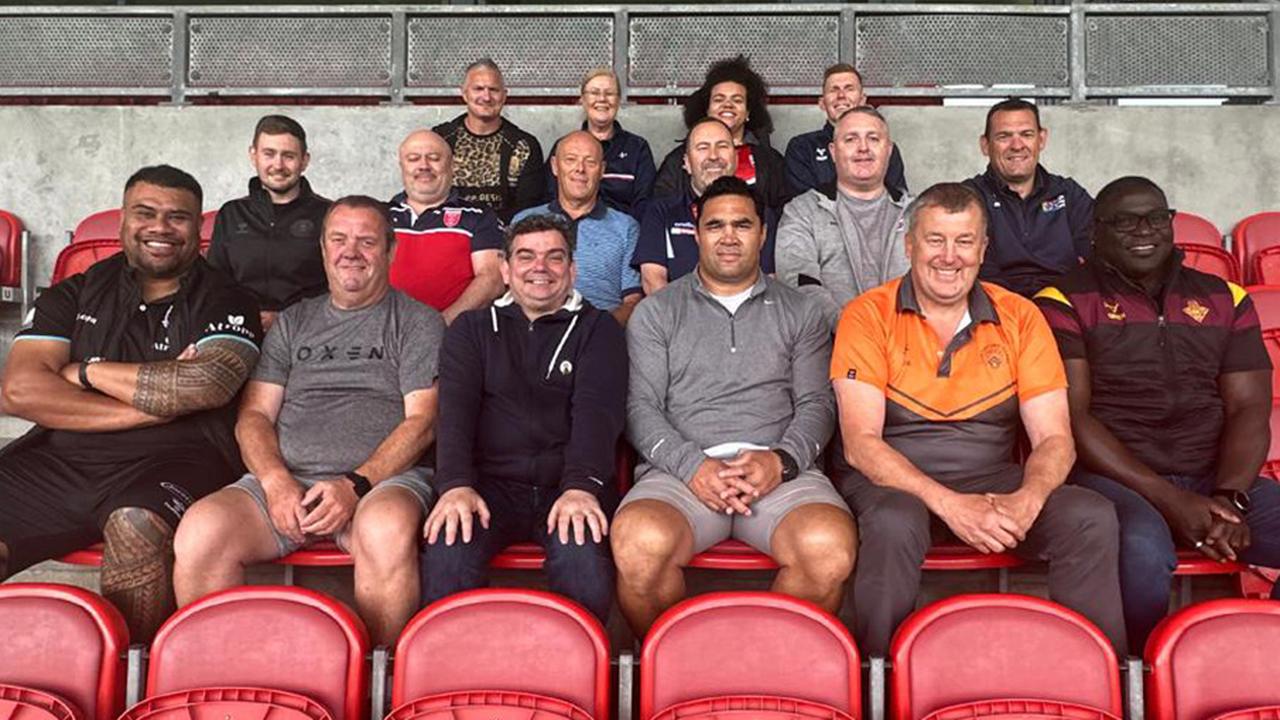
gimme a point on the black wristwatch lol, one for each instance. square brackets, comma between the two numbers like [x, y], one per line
[84, 373]
[1238, 499]
[790, 468]
[360, 482]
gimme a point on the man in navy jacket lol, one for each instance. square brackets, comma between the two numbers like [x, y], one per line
[532, 402]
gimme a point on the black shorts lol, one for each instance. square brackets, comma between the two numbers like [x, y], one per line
[50, 506]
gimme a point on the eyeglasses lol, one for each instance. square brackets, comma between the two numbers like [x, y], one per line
[1128, 222]
[601, 93]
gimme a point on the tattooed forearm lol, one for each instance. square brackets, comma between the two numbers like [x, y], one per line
[211, 379]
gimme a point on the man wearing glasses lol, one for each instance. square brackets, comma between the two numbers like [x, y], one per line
[1170, 397]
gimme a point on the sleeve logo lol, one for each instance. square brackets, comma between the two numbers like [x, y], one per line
[852, 374]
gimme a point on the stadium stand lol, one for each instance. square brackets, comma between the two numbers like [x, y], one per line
[292, 641]
[501, 655]
[1015, 649]
[1215, 659]
[1252, 236]
[1192, 229]
[755, 649]
[62, 650]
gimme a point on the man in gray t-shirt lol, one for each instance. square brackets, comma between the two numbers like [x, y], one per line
[333, 427]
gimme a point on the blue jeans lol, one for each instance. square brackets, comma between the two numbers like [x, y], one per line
[1148, 554]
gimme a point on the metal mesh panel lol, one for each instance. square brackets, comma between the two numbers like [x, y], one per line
[1125, 50]
[290, 51]
[675, 50]
[930, 50]
[533, 51]
[85, 51]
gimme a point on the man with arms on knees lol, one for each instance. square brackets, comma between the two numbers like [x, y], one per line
[332, 428]
[606, 238]
[932, 374]
[845, 238]
[809, 158]
[128, 371]
[729, 408]
[667, 248]
[532, 402]
[1170, 393]
[269, 240]
[1039, 222]
[499, 166]
[447, 249]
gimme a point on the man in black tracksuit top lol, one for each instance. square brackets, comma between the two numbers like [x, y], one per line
[532, 403]
[269, 240]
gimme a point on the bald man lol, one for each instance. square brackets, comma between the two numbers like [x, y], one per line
[448, 250]
[605, 238]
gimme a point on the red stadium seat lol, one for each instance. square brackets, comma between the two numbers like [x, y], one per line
[206, 227]
[11, 232]
[1264, 266]
[988, 648]
[726, 645]
[1212, 658]
[751, 707]
[80, 256]
[1259, 713]
[1253, 235]
[1189, 228]
[224, 703]
[277, 638]
[1266, 300]
[499, 641]
[66, 642]
[1020, 710]
[104, 225]
[1210, 259]
[19, 703]
[488, 706]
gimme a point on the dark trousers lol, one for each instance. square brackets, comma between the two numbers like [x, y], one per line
[1076, 533]
[518, 512]
[1148, 554]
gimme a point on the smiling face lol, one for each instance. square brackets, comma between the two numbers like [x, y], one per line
[484, 94]
[709, 154]
[600, 100]
[730, 234]
[357, 255]
[728, 104]
[426, 168]
[279, 161]
[1144, 251]
[840, 92]
[539, 272]
[1013, 145]
[860, 151]
[160, 230]
[946, 250]
[578, 166]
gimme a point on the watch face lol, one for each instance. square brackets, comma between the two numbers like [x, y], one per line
[1241, 500]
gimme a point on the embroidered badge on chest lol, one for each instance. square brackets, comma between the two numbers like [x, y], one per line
[1195, 311]
[452, 216]
[1114, 311]
[993, 356]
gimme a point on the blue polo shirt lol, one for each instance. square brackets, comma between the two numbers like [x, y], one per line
[628, 172]
[669, 237]
[809, 165]
[606, 242]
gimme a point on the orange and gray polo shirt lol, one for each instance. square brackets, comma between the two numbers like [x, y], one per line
[952, 411]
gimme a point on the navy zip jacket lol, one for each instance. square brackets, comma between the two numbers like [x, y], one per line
[809, 165]
[770, 185]
[1037, 239]
[539, 402]
[628, 172]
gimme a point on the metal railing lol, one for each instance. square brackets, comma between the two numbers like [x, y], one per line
[1074, 52]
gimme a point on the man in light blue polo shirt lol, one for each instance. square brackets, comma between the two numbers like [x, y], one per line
[606, 237]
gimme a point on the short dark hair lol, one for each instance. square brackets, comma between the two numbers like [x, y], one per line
[1011, 105]
[952, 197]
[735, 69]
[1129, 183]
[279, 125]
[839, 68]
[167, 176]
[363, 202]
[727, 185]
[540, 222]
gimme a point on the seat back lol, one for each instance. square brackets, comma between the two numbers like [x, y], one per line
[750, 707]
[1264, 266]
[748, 643]
[1253, 235]
[1271, 712]
[10, 250]
[20, 703]
[1020, 710]
[1191, 228]
[489, 706]
[1212, 658]
[206, 226]
[78, 257]
[509, 640]
[66, 642]
[279, 638]
[223, 703]
[1271, 467]
[103, 225]
[984, 647]
[1210, 259]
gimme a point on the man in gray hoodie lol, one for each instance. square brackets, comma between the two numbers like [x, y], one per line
[842, 239]
[729, 409]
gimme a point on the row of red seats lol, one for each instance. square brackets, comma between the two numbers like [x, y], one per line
[294, 654]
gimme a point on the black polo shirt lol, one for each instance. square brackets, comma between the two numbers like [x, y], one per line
[669, 236]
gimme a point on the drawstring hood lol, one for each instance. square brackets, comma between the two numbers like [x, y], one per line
[572, 304]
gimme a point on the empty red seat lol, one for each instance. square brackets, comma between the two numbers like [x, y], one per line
[80, 256]
[206, 227]
[1213, 658]
[224, 703]
[65, 643]
[1253, 235]
[1258, 713]
[728, 645]
[751, 707]
[11, 232]
[102, 225]
[488, 706]
[997, 648]
[20, 703]
[275, 638]
[1191, 228]
[1210, 259]
[1020, 710]
[1264, 266]
[478, 645]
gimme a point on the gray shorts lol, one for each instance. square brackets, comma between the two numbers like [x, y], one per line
[416, 480]
[756, 530]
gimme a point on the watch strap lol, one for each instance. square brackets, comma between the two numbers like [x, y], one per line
[360, 483]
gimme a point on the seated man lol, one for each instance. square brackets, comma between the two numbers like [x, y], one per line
[932, 373]
[332, 428]
[128, 371]
[269, 240]
[447, 249]
[532, 402]
[1170, 393]
[730, 409]
[845, 238]
[606, 238]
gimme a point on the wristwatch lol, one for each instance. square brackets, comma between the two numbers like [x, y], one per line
[790, 468]
[360, 483]
[1239, 499]
[84, 373]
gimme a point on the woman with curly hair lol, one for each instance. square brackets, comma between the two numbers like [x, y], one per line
[736, 95]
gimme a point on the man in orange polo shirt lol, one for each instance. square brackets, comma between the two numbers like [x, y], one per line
[933, 373]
